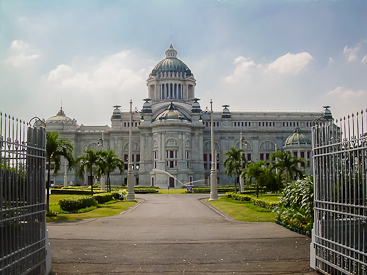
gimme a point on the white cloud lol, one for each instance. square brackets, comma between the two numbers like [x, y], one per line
[344, 93]
[243, 66]
[115, 72]
[19, 54]
[290, 63]
[352, 52]
[60, 72]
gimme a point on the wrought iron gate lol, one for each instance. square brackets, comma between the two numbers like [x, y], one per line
[22, 197]
[339, 243]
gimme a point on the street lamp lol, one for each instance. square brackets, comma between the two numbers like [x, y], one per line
[213, 170]
[242, 180]
[130, 173]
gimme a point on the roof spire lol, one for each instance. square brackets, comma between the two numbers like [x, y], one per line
[171, 36]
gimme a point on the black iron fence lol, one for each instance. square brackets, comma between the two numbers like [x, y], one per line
[22, 197]
[339, 243]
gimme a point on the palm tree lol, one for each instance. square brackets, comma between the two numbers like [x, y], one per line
[288, 165]
[108, 161]
[257, 171]
[234, 164]
[56, 148]
[87, 162]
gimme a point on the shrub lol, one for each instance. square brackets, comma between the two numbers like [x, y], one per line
[264, 203]
[295, 209]
[229, 194]
[102, 198]
[74, 204]
[73, 191]
[146, 190]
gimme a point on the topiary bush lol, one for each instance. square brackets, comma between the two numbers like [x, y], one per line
[102, 198]
[264, 203]
[240, 197]
[74, 204]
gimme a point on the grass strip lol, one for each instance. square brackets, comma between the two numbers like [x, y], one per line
[102, 210]
[241, 212]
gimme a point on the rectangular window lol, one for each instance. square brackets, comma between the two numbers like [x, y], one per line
[267, 156]
[242, 124]
[249, 157]
[302, 154]
[126, 157]
[155, 164]
[205, 157]
[133, 157]
[187, 154]
[259, 124]
[308, 154]
[245, 124]
[235, 124]
[295, 154]
[124, 124]
[261, 156]
[137, 157]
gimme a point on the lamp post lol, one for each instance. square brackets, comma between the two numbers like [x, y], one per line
[213, 170]
[100, 147]
[130, 173]
[242, 180]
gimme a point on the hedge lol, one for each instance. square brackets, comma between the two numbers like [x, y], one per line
[238, 197]
[207, 189]
[264, 203]
[146, 190]
[102, 198]
[74, 204]
[73, 192]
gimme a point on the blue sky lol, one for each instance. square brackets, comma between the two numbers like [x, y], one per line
[251, 55]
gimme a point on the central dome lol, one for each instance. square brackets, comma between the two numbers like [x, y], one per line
[171, 64]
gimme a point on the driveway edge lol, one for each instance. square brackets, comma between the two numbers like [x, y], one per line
[218, 211]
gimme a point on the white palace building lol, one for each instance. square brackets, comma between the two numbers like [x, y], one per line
[171, 141]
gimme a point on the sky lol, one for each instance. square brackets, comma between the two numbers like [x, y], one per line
[88, 56]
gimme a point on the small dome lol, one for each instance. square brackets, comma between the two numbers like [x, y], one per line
[116, 112]
[60, 117]
[147, 108]
[195, 107]
[297, 138]
[226, 113]
[171, 64]
[171, 113]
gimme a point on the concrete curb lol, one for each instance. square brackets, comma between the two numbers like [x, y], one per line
[133, 207]
[219, 212]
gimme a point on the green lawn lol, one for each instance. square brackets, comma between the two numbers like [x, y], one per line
[240, 212]
[103, 210]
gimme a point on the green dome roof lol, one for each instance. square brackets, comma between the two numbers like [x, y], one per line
[171, 113]
[297, 138]
[171, 64]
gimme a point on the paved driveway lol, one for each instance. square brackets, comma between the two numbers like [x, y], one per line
[175, 234]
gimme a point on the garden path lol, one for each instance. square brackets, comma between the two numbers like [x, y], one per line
[176, 234]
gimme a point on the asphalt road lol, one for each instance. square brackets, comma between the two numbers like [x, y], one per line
[176, 234]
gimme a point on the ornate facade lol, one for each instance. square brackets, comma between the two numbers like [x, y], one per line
[171, 133]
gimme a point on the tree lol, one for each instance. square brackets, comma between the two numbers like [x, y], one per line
[234, 164]
[107, 162]
[55, 148]
[257, 171]
[87, 162]
[288, 165]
